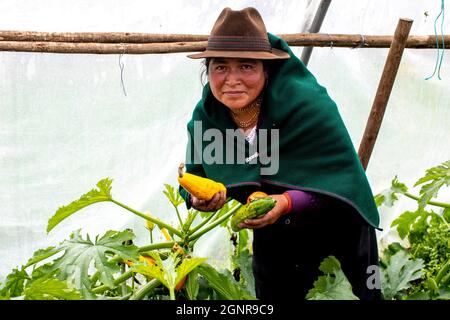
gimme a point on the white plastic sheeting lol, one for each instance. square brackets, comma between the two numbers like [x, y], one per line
[66, 122]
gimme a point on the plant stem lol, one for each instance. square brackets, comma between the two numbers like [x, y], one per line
[123, 277]
[444, 270]
[430, 202]
[215, 223]
[140, 294]
[213, 214]
[124, 284]
[156, 246]
[172, 293]
[146, 217]
[150, 247]
[179, 217]
[201, 224]
[95, 277]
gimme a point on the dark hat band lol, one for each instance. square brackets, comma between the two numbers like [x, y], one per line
[238, 44]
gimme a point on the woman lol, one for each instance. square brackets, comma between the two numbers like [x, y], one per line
[258, 88]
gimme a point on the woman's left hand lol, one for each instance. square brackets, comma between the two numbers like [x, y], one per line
[270, 217]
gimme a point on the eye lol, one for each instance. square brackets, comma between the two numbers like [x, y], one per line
[219, 67]
[247, 67]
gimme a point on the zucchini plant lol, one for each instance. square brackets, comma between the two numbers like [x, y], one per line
[112, 267]
[420, 269]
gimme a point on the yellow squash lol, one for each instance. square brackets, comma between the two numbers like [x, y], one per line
[256, 195]
[202, 188]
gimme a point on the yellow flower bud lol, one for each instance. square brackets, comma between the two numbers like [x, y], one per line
[150, 225]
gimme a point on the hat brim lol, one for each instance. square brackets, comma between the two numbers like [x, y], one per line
[264, 55]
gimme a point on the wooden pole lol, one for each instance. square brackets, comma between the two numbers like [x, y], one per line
[384, 90]
[98, 37]
[101, 48]
[114, 43]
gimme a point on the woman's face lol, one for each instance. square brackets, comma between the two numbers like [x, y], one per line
[236, 82]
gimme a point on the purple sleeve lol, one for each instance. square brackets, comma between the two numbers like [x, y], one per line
[305, 200]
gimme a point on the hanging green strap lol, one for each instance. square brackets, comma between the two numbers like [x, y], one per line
[440, 55]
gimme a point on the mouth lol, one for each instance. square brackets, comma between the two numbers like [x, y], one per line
[234, 93]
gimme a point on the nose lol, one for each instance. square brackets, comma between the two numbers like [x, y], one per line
[233, 77]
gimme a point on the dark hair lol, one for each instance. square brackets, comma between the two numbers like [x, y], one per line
[267, 65]
[205, 66]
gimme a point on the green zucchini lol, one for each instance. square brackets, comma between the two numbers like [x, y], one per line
[254, 209]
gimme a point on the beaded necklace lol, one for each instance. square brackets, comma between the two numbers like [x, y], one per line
[253, 119]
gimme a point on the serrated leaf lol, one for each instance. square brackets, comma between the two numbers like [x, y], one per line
[444, 294]
[192, 285]
[80, 254]
[446, 215]
[334, 285]
[186, 266]
[173, 195]
[244, 262]
[399, 273]
[441, 171]
[51, 289]
[102, 194]
[438, 177]
[224, 284]
[379, 199]
[243, 240]
[42, 254]
[169, 271]
[389, 196]
[412, 220]
[14, 284]
[152, 271]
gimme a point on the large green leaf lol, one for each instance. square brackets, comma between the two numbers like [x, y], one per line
[42, 254]
[162, 270]
[389, 196]
[80, 254]
[400, 271]
[334, 285]
[102, 194]
[192, 285]
[14, 283]
[169, 271]
[244, 242]
[224, 284]
[414, 220]
[51, 289]
[186, 266]
[446, 215]
[173, 195]
[437, 177]
[243, 261]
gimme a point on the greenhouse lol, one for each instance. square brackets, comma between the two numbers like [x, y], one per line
[225, 150]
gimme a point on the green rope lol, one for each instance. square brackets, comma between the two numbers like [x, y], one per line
[440, 55]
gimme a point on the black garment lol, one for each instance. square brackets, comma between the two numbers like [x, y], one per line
[287, 254]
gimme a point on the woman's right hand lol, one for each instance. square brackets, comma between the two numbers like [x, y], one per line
[216, 202]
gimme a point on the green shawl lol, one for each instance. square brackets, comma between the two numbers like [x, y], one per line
[315, 150]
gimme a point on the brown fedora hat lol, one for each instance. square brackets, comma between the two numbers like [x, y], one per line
[240, 34]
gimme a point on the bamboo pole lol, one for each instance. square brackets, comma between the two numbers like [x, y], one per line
[114, 43]
[384, 90]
